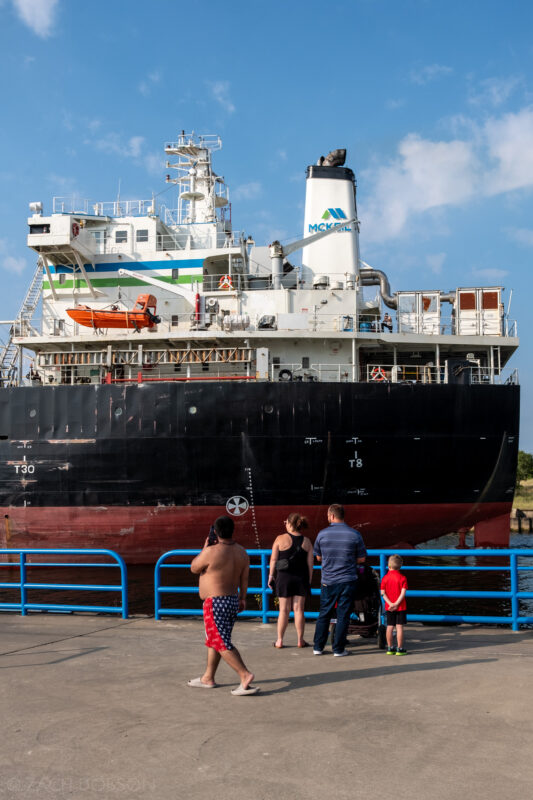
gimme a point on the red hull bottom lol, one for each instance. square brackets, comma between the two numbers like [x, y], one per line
[141, 533]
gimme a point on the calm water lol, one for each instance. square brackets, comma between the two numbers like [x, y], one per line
[482, 581]
[141, 593]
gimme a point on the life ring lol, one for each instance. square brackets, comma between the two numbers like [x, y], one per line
[75, 229]
[225, 282]
[378, 374]
[285, 375]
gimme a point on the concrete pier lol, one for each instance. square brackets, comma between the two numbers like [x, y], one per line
[96, 707]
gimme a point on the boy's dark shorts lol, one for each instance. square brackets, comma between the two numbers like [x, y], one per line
[396, 617]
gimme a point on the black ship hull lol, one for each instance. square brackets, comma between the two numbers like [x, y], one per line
[141, 469]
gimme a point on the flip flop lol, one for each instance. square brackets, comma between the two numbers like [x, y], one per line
[278, 646]
[196, 683]
[241, 692]
[304, 644]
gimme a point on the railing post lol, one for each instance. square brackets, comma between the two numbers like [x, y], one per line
[23, 590]
[124, 589]
[157, 602]
[382, 565]
[264, 588]
[515, 612]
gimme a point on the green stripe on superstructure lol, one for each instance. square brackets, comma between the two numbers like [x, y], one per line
[119, 282]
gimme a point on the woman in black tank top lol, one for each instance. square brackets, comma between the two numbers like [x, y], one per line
[291, 573]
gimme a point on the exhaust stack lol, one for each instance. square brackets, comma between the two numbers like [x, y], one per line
[330, 201]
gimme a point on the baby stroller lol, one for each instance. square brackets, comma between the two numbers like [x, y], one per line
[365, 620]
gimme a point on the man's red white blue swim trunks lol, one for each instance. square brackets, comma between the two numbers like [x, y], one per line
[220, 614]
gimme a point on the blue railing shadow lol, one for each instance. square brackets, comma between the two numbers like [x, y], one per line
[515, 566]
[24, 605]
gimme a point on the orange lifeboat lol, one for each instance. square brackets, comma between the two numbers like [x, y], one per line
[142, 315]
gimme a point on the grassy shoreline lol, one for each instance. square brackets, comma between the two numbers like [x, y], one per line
[524, 496]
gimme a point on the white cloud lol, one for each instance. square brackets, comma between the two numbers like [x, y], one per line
[522, 236]
[13, 264]
[247, 191]
[435, 262]
[135, 146]
[37, 14]
[147, 84]
[394, 104]
[429, 73]
[10, 263]
[509, 143]
[220, 91]
[425, 175]
[490, 274]
[154, 163]
[112, 143]
[65, 183]
[494, 91]
[490, 159]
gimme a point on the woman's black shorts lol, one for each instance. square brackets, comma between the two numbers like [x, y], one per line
[396, 617]
[288, 585]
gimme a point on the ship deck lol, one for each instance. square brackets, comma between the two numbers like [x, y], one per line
[96, 707]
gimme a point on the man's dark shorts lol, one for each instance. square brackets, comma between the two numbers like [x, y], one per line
[396, 617]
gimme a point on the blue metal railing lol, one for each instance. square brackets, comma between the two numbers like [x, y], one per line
[515, 566]
[24, 585]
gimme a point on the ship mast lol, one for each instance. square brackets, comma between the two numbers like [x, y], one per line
[201, 191]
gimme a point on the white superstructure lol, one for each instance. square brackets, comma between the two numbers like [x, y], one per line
[231, 309]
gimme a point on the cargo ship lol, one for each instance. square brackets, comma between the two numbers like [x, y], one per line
[256, 383]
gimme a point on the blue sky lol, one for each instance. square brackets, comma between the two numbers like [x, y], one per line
[433, 101]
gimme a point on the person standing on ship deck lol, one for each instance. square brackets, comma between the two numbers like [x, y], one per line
[223, 567]
[339, 548]
[387, 323]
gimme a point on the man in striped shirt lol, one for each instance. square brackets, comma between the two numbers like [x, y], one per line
[339, 549]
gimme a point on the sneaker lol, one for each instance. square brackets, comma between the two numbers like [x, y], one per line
[391, 651]
[318, 652]
[400, 651]
[339, 655]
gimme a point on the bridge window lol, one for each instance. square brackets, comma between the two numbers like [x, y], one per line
[121, 237]
[142, 235]
[62, 278]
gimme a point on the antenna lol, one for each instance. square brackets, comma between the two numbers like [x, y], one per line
[118, 214]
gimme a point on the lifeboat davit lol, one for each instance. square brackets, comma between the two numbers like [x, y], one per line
[142, 315]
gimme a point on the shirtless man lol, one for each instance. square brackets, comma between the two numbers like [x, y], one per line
[223, 570]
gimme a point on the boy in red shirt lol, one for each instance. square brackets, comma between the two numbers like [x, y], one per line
[393, 590]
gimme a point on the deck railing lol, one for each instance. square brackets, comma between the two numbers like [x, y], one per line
[519, 563]
[14, 558]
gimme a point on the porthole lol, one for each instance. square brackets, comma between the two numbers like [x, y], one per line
[118, 412]
[192, 409]
[33, 413]
[269, 409]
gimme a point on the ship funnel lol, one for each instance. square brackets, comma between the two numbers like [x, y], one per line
[330, 202]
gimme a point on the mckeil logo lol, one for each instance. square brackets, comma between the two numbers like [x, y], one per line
[336, 213]
[330, 214]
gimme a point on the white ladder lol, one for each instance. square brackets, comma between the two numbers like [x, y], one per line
[21, 327]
